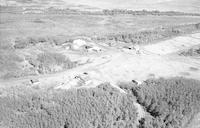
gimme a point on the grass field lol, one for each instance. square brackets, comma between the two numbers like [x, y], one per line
[72, 25]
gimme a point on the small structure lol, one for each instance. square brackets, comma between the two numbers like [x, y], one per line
[85, 73]
[136, 82]
[126, 47]
[86, 47]
[34, 81]
[80, 81]
[95, 49]
[78, 43]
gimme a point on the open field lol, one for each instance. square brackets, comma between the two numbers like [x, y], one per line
[16, 25]
[99, 71]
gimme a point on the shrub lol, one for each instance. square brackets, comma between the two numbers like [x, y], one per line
[148, 36]
[20, 43]
[42, 39]
[32, 40]
[49, 62]
[191, 52]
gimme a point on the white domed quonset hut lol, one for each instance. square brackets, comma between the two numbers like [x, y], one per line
[78, 43]
[81, 44]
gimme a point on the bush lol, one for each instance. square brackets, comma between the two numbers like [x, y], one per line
[171, 103]
[191, 52]
[32, 40]
[148, 36]
[137, 38]
[20, 43]
[42, 39]
[100, 107]
[49, 62]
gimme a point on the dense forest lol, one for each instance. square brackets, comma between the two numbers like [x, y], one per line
[100, 107]
[168, 103]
